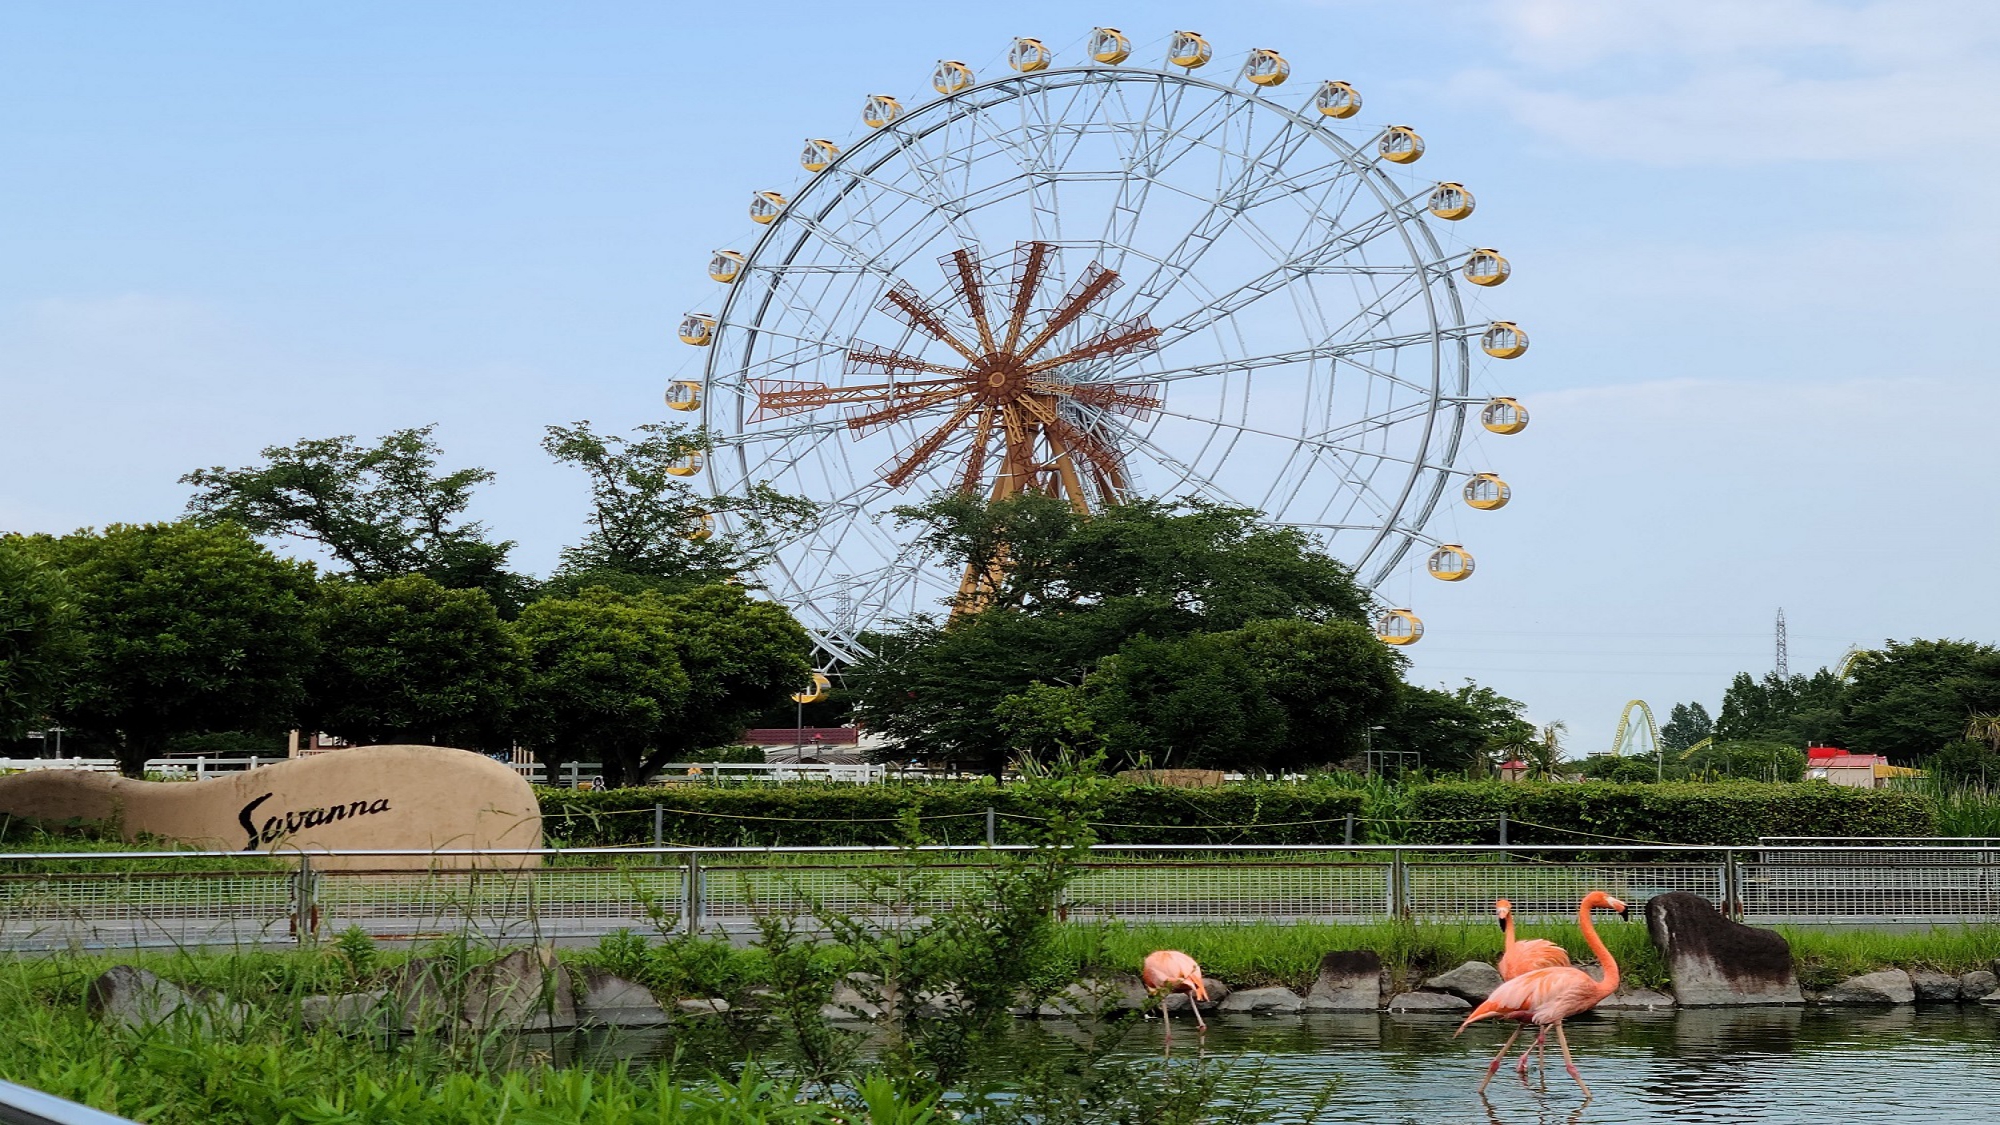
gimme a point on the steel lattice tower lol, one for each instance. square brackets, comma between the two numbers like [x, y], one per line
[1783, 663]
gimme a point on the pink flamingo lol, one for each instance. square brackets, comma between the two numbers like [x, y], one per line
[1170, 970]
[1546, 997]
[1518, 957]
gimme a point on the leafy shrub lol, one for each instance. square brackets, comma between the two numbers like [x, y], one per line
[1724, 813]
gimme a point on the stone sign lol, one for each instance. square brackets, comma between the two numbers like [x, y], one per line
[372, 797]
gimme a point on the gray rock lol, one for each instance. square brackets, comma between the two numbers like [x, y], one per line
[424, 994]
[526, 990]
[1428, 1002]
[352, 1011]
[133, 997]
[1636, 1000]
[1934, 987]
[1080, 1000]
[1263, 1001]
[1978, 985]
[1473, 981]
[1218, 991]
[613, 1001]
[849, 1004]
[707, 1006]
[1889, 986]
[945, 1001]
[1349, 980]
[1715, 962]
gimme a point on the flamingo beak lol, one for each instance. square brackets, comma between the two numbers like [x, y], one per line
[1625, 912]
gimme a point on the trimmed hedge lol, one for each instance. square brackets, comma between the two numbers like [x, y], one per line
[1725, 813]
[822, 814]
[1728, 813]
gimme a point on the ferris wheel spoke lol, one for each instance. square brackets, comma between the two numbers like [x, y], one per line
[1348, 472]
[1188, 475]
[1342, 350]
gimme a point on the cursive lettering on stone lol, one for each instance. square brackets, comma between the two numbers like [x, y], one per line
[276, 828]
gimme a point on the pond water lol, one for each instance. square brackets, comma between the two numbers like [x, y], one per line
[1743, 1066]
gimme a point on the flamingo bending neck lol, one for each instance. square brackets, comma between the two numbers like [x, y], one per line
[1593, 901]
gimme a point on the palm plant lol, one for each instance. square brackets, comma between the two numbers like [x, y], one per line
[1545, 752]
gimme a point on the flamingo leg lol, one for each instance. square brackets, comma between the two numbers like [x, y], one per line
[1167, 1016]
[1194, 1006]
[1530, 1049]
[1493, 1067]
[1563, 1041]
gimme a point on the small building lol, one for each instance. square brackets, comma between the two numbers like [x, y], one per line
[1857, 771]
[1514, 769]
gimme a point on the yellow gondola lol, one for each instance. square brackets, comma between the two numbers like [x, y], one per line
[1028, 56]
[1450, 563]
[819, 690]
[950, 77]
[1189, 50]
[688, 465]
[1400, 145]
[1504, 339]
[724, 266]
[1450, 201]
[1487, 492]
[1337, 100]
[1504, 416]
[765, 205]
[879, 110]
[818, 154]
[698, 329]
[1398, 627]
[701, 530]
[683, 394]
[1267, 68]
[1108, 45]
[1486, 267]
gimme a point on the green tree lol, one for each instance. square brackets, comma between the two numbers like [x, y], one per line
[1469, 727]
[1911, 698]
[1687, 724]
[604, 678]
[1795, 709]
[186, 628]
[408, 660]
[1188, 703]
[1332, 680]
[39, 644]
[1077, 589]
[742, 656]
[649, 529]
[381, 511]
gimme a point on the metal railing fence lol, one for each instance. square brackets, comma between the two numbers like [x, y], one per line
[72, 899]
[25, 1105]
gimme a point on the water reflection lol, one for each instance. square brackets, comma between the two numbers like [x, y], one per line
[1753, 1066]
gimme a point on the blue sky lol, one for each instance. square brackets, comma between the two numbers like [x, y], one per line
[1752, 243]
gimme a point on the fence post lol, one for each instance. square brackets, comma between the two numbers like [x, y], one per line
[1399, 891]
[1503, 828]
[1732, 886]
[305, 911]
[692, 894]
[659, 823]
[1347, 836]
[989, 826]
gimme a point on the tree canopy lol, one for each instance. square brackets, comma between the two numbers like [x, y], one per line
[1183, 632]
[1908, 699]
[381, 511]
[648, 528]
[1687, 724]
[1455, 729]
[185, 628]
[407, 660]
[39, 644]
[1795, 709]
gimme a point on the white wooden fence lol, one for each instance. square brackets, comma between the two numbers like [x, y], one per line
[572, 774]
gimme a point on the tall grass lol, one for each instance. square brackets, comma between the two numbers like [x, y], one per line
[1963, 808]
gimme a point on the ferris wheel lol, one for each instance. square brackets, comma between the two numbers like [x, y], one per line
[1098, 280]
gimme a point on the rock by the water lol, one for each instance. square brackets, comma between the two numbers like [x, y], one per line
[1934, 987]
[613, 1001]
[1715, 962]
[1428, 1002]
[351, 1011]
[1636, 1000]
[1889, 986]
[1078, 999]
[1473, 981]
[707, 1006]
[1350, 980]
[1263, 1001]
[849, 1003]
[424, 994]
[526, 990]
[135, 997]
[1218, 991]
[1978, 985]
